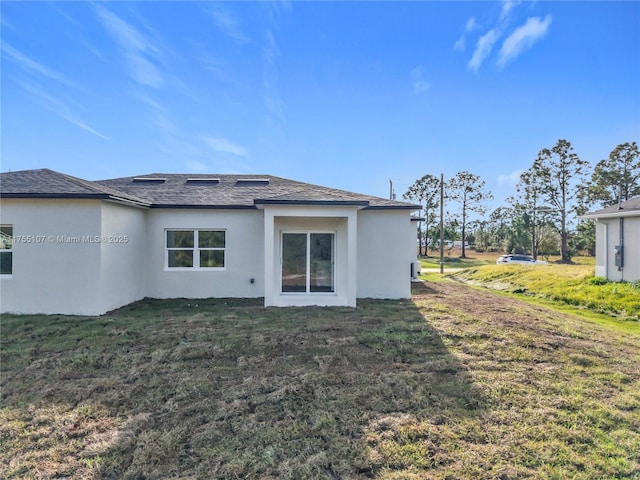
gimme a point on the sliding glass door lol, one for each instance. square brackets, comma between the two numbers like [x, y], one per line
[294, 262]
[308, 262]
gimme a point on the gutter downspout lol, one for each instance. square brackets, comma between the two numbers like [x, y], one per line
[606, 249]
[621, 267]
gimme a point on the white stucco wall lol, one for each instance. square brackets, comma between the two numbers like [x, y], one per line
[602, 246]
[60, 267]
[384, 254]
[122, 256]
[339, 220]
[81, 257]
[244, 254]
[607, 237]
[55, 268]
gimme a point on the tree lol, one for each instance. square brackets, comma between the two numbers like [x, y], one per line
[615, 177]
[480, 234]
[585, 238]
[519, 238]
[426, 191]
[561, 172]
[468, 190]
[528, 200]
[499, 225]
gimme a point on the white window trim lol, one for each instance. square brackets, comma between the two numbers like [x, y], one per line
[196, 250]
[8, 275]
[308, 265]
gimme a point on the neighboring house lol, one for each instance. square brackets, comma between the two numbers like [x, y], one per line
[618, 241]
[74, 246]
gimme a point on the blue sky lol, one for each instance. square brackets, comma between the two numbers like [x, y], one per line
[342, 94]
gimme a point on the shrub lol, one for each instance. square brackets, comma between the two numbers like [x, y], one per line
[597, 281]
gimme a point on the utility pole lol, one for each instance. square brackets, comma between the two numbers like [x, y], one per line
[442, 223]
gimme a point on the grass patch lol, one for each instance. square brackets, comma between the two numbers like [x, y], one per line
[394, 389]
[571, 285]
[475, 259]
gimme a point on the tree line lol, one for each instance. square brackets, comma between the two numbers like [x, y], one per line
[543, 217]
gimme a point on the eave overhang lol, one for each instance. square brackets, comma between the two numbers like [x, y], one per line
[261, 203]
[616, 214]
[77, 196]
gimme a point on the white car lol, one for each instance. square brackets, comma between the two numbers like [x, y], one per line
[519, 259]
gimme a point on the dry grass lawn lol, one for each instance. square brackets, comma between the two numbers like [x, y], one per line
[455, 384]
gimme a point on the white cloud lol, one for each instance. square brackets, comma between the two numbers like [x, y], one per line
[277, 8]
[507, 6]
[224, 146]
[138, 50]
[460, 44]
[32, 66]
[228, 23]
[522, 38]
[471, 24]
[483, 49]
[61, 109]
[272, 100]
[510, 179]
[418, 81]
[159, 116]
[193, 166]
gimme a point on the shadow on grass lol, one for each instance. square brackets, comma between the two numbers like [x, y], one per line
[228, 389]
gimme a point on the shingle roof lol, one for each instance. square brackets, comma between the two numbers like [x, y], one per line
[161, 190]
[45, 183]
[630, 207]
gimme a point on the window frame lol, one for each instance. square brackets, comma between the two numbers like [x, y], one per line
[196, 249]
[308, 233]
[8, 250]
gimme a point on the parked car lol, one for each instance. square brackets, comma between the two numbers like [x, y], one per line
[519, 259]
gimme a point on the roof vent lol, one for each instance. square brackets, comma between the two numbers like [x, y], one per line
[252, 182]
[202, 181]
[149, 180]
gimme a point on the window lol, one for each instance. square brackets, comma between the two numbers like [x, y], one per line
[6, 249]
[196, 248]
[307, 262]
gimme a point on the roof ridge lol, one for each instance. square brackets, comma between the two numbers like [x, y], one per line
[174, 194]
[100, 188]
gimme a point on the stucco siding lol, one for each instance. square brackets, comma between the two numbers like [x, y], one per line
[123, 247]
[56, 263]
[337, 226]
[607, 237]
[86, 257]
[602, 259]
[632, 252]
[384, 255]
[244, 256]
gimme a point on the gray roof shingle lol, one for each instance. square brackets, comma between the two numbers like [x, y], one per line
[161, 190]
[628, 207]
[45, 183]
[238, 191]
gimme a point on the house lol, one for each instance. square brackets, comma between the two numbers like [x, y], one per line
[73, 246]
[618, 241]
